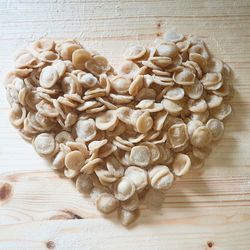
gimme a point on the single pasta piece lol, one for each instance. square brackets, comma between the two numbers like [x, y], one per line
[127, 217]
[106, 203]
[140, 156]
[138, 176]
[161, 177]
[181, 164]
[48, 77]
[201, 137]
[74, 160]
[44, 144]
[124, 189]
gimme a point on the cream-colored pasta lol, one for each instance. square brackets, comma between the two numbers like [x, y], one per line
[120, 135]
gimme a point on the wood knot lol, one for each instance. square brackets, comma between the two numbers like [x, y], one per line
[50, 244]
[5, 191]
[210, 244]
[72, 215]
[158, 25]
[159, 34]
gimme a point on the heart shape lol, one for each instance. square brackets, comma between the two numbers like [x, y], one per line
[122, 135]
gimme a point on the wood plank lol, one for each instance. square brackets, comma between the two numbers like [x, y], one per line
[205, 210]
[195, 232]
[44, 195]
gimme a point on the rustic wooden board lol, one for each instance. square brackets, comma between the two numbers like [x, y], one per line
[208, 210]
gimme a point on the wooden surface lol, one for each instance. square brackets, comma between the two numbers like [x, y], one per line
[209, 210]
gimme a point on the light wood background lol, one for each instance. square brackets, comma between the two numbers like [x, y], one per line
[208, 210]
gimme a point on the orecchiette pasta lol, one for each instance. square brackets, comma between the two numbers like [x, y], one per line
[123, 135]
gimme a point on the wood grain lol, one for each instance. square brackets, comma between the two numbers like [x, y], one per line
[208, 210]
[103, 234]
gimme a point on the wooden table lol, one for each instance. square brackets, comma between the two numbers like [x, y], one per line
[208, 210]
